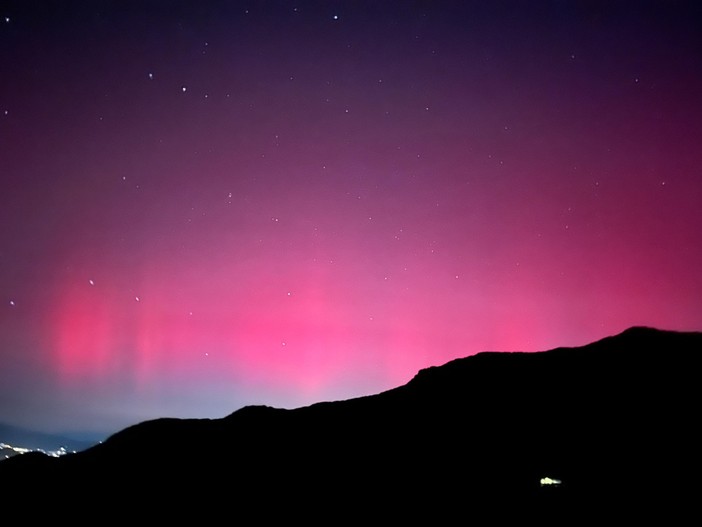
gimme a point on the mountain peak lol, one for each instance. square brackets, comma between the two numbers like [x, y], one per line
[484, 428]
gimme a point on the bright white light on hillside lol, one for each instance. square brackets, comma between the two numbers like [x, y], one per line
[550, 482]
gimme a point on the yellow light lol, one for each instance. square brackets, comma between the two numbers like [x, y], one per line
[550, 481]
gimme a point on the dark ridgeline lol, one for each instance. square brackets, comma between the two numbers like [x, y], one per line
[616, 421]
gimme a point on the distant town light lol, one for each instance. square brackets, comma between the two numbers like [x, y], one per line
[553, 482]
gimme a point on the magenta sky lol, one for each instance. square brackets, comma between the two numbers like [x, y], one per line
[212, 204]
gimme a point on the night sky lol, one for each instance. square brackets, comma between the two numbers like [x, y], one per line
[211, 204]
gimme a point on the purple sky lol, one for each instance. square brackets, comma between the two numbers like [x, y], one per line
[212, 204]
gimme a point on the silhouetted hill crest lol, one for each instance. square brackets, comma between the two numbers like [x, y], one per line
[502, 421]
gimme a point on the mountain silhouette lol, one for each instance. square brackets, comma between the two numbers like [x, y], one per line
[614, 423]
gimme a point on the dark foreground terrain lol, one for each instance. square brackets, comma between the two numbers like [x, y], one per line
[616, 421]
